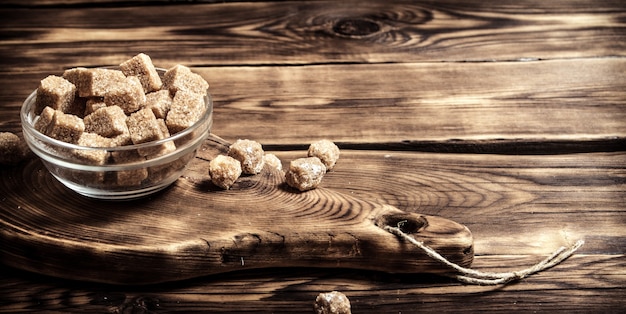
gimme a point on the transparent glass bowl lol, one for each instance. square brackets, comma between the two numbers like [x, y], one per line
[141, 178]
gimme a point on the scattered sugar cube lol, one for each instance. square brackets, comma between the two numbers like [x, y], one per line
[250, 155]
[160, 103]
[108, 122]
[326, 151]
[273, 161]
[57, 93]
[127, 94]
[12, 149]
[180, 77]
[333, 302]
[187, 108]
[141, 66]
[224, 171]
[305, 173]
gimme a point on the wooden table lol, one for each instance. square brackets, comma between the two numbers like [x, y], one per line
[507, 117]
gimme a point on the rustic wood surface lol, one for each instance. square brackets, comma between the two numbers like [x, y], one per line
[195, 229]
[506, 117]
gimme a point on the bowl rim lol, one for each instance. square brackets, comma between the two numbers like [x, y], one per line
[27, 124]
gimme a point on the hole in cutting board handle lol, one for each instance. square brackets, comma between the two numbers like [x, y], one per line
[407, 222]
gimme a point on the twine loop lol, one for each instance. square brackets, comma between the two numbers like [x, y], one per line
[476, 277]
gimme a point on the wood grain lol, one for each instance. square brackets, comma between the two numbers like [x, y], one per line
[195, 229]
[552, 100]
[310, 32]
[586, 283]
[512, 204]
[422, 94]
[529, 209]
[534, 107]
[504, 116]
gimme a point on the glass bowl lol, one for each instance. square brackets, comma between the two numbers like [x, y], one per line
[141, 178]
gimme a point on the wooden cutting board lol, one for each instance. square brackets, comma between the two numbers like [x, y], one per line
[193, 229]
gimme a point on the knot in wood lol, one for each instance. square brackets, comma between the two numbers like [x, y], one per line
[355, 27]
[406, 222]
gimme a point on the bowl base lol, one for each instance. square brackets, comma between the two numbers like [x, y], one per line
[119, 195]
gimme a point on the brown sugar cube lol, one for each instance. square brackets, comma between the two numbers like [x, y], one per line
[93, 104]
[160, 172]
[65, 127]
[144, 127]
[12, 149]
[89, 139]
[127, 94]
[273, 161]
[132, 177]
[126, 156]
[250, 155]
[180, 77]
[93, 157]
[333, 302]
[141, 66]
[83, 177]
[108, 122]
[224, 171]
[160, 103]
[57, 93]
[123, 139]
[326, 151]
[186, 109]
[94, 82]
[305, 173]
[73, 75]
[42, 121]
[166, 147]
[163, 127]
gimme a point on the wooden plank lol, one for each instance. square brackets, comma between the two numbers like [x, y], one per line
[512, 204]
[194, 229]
[563, 99]
[429, 106]
[585, 283]
[306, 32]
[507, 77]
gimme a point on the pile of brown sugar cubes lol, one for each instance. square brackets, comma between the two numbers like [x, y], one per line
[106, 107]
